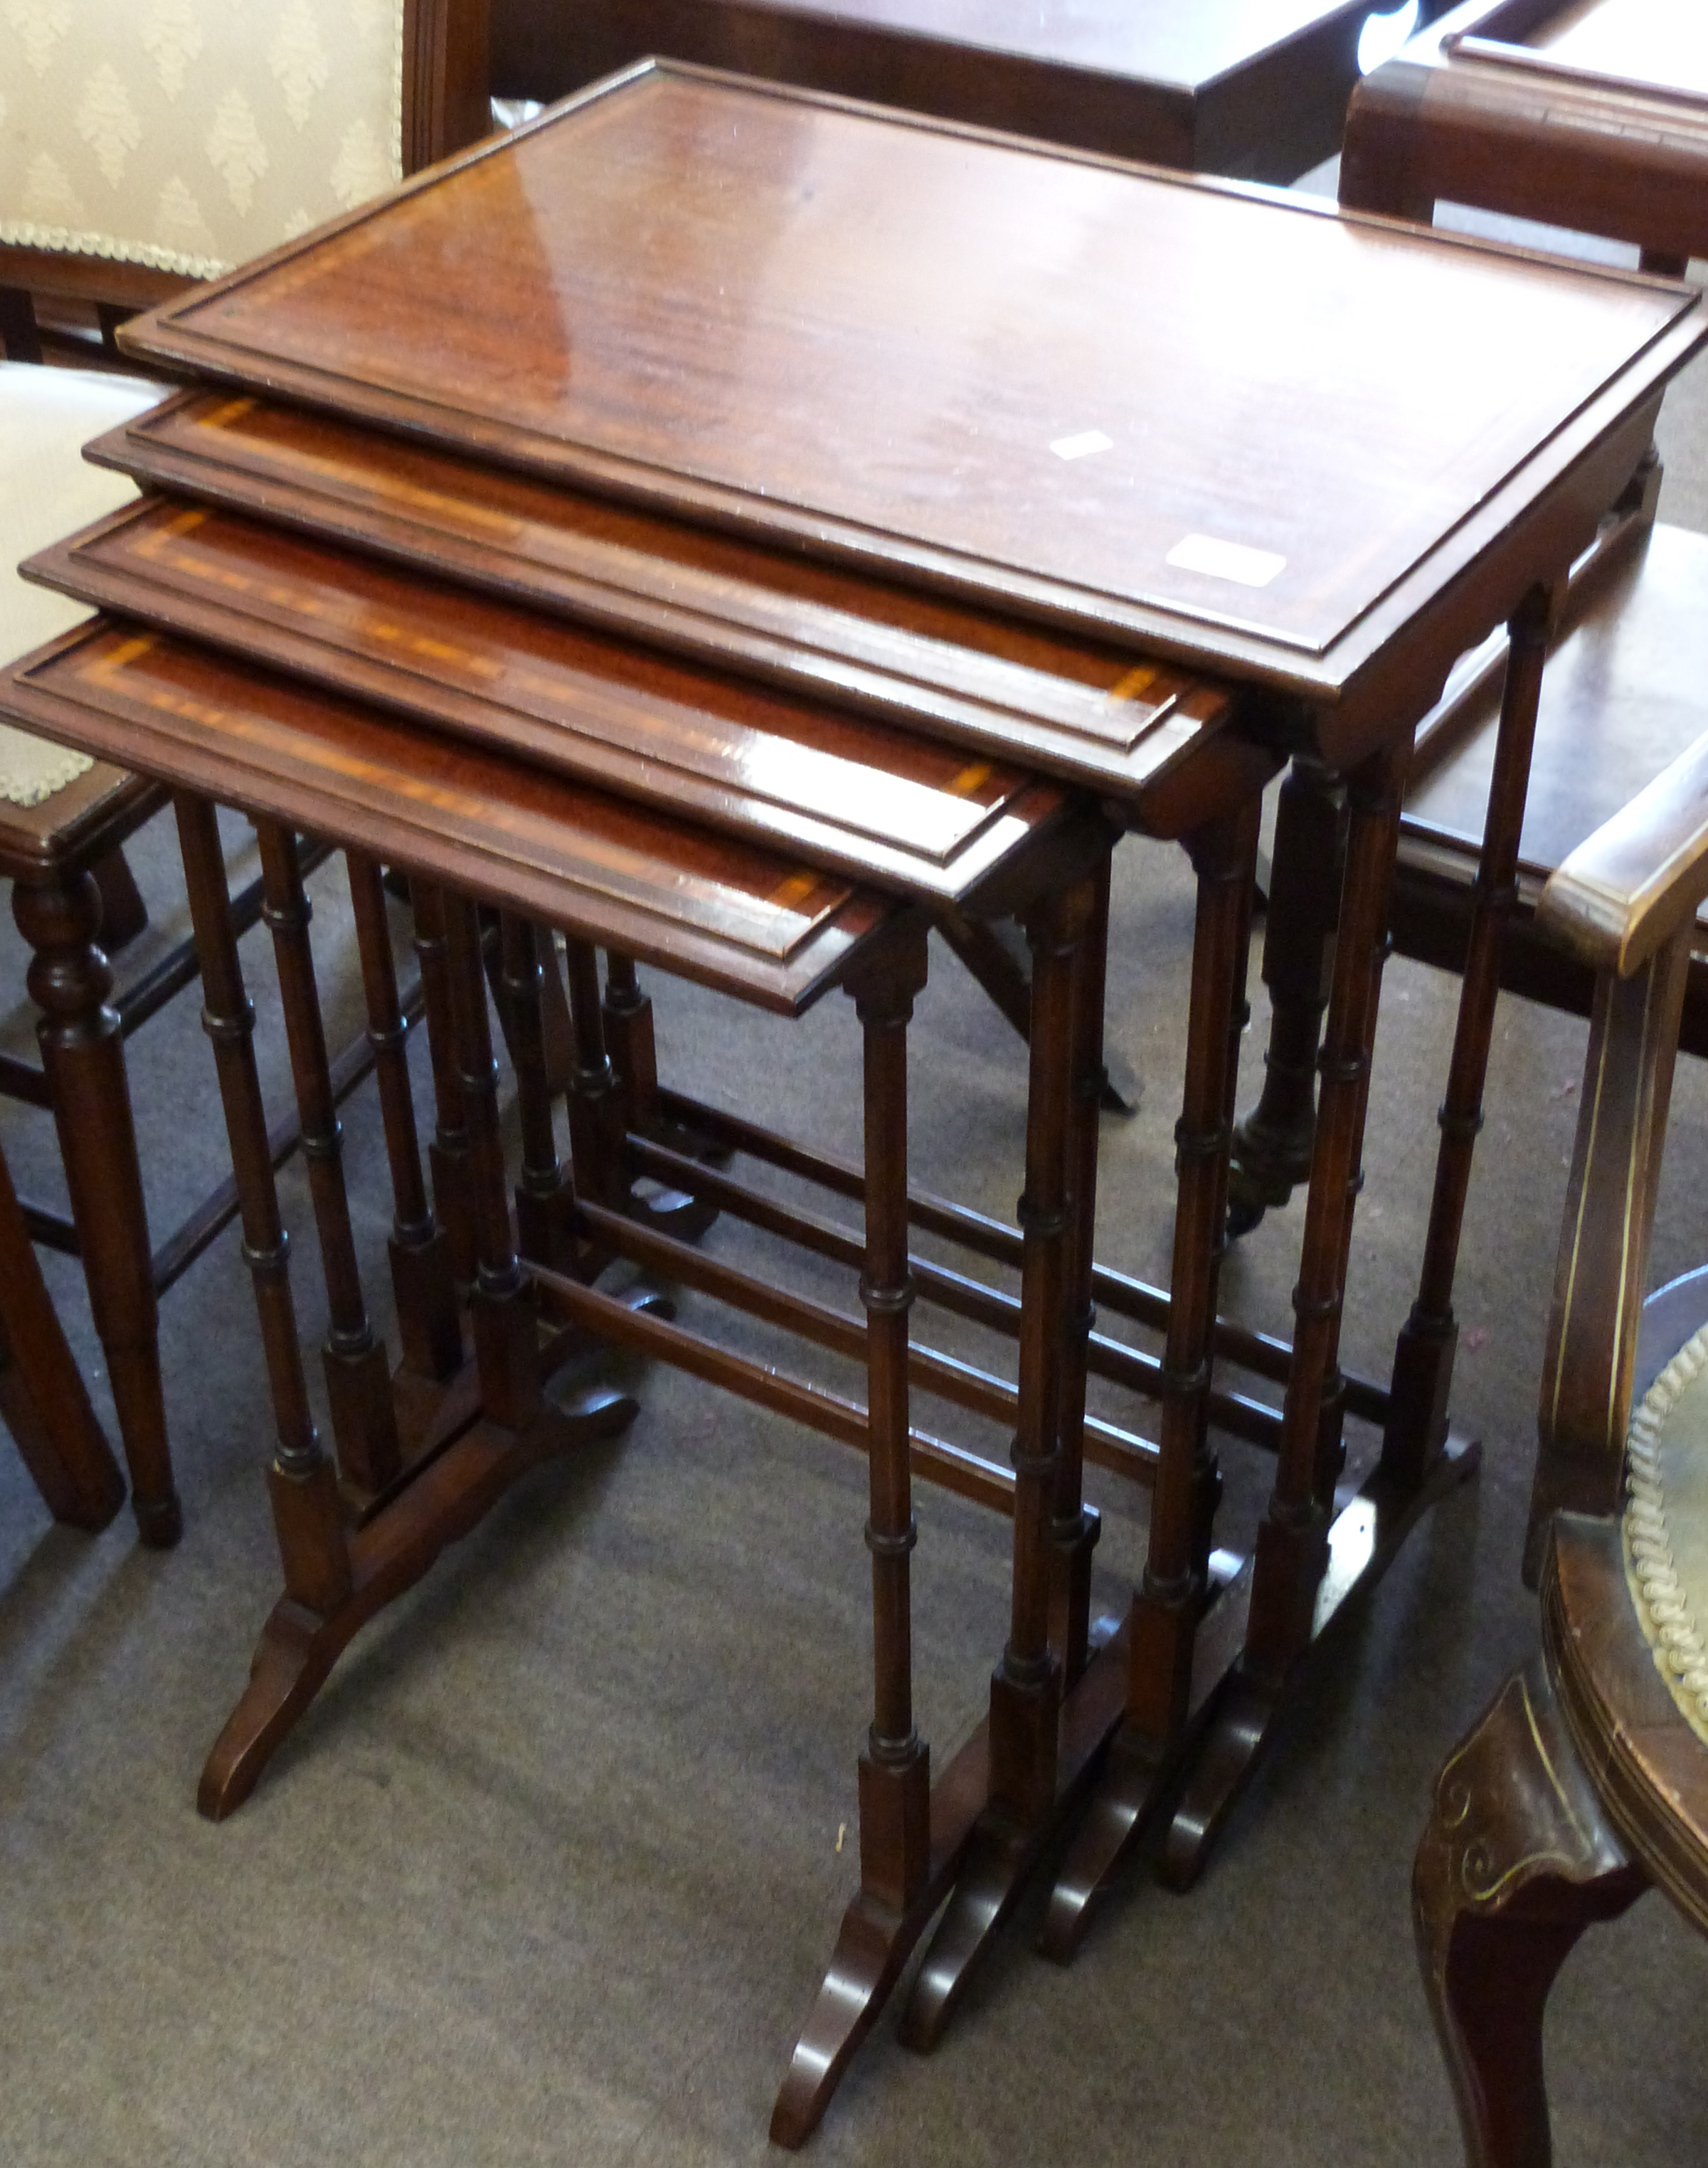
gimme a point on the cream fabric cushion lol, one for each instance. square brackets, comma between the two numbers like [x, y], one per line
[191, 134]
[48, 490]
[1666, 1526]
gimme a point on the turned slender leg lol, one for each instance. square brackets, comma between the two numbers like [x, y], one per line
[1518, 1859]
[82, 1050]
[447, 1155]
[627, 1017]
[1075, 1527]
[506, 1339]
[628, 1033]
[895, 1768]
[303, 1492]
[1170, 1598]
[1272, 1145]
[42, 1395]
[1293, 1539]
[545, 1199]
[420, 1251]
[358, 1380]
[1291, 1551]
[1423, 1366]
[1039, 1766]
[597, 1146]
[899, 1887]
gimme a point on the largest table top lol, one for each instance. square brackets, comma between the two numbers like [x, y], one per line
[1253, 434]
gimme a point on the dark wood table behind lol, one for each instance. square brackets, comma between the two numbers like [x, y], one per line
[1253, 88]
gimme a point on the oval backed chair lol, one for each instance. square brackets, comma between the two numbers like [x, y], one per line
[142, 148]
[1586, 1779]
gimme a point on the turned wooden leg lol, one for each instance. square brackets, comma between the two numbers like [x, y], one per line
[83, 1053]
[1272, 1145]
[1187, 1488]
[597, 1146]
[895, 1768]
[1025, 1689]
[1075, 1527]
[902, 1873]
[629, 1034]
[506, 1339]
[358, 1380]
[1423, 1366]
[42, 1395]
[447, 1155]
[1166, 1606]
[419, 1248]
[545, 1198]
[1292, 1539]
[1518, 1859]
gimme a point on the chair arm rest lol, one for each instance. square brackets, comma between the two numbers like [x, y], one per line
[1623, 892]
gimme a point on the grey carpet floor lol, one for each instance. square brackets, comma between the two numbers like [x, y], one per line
[551, 1871]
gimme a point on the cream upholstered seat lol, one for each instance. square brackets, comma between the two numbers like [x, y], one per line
[144, 144]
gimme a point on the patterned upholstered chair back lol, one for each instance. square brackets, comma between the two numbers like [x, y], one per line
[144, 142]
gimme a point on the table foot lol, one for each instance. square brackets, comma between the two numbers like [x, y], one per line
[446, 1500]
[1003, 1856]
[873, 1945]
[1367, 1533]
[1133, 1782]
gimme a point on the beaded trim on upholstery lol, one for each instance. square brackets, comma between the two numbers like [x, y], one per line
[1663, 1602]
[163, 134]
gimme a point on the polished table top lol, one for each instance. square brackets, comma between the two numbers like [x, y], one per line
[1232, 428]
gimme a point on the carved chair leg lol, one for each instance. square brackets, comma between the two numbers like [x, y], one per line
[82, 1050]
[1517, 1860]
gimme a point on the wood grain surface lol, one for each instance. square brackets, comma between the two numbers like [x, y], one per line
[1138, 401]
[1082, 709]
[712, 909]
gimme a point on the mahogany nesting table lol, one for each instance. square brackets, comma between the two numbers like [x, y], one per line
[1253, 88]
[821, 478]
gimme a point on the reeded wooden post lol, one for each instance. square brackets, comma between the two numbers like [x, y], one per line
[82, 1051]
[895, 1768]
[506, 1340]
[419, 1249]
[1423, 1363]
[1272, 1145]
[358, 1380]
[303, 1492]
[1073, 1526]
[1292, 1539]
[1025, 1689]
[545, 1199]
[447, 1155]
[1171, 1597]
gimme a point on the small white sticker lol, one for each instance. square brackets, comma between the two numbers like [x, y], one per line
[1225, 560]
[1082, 446]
